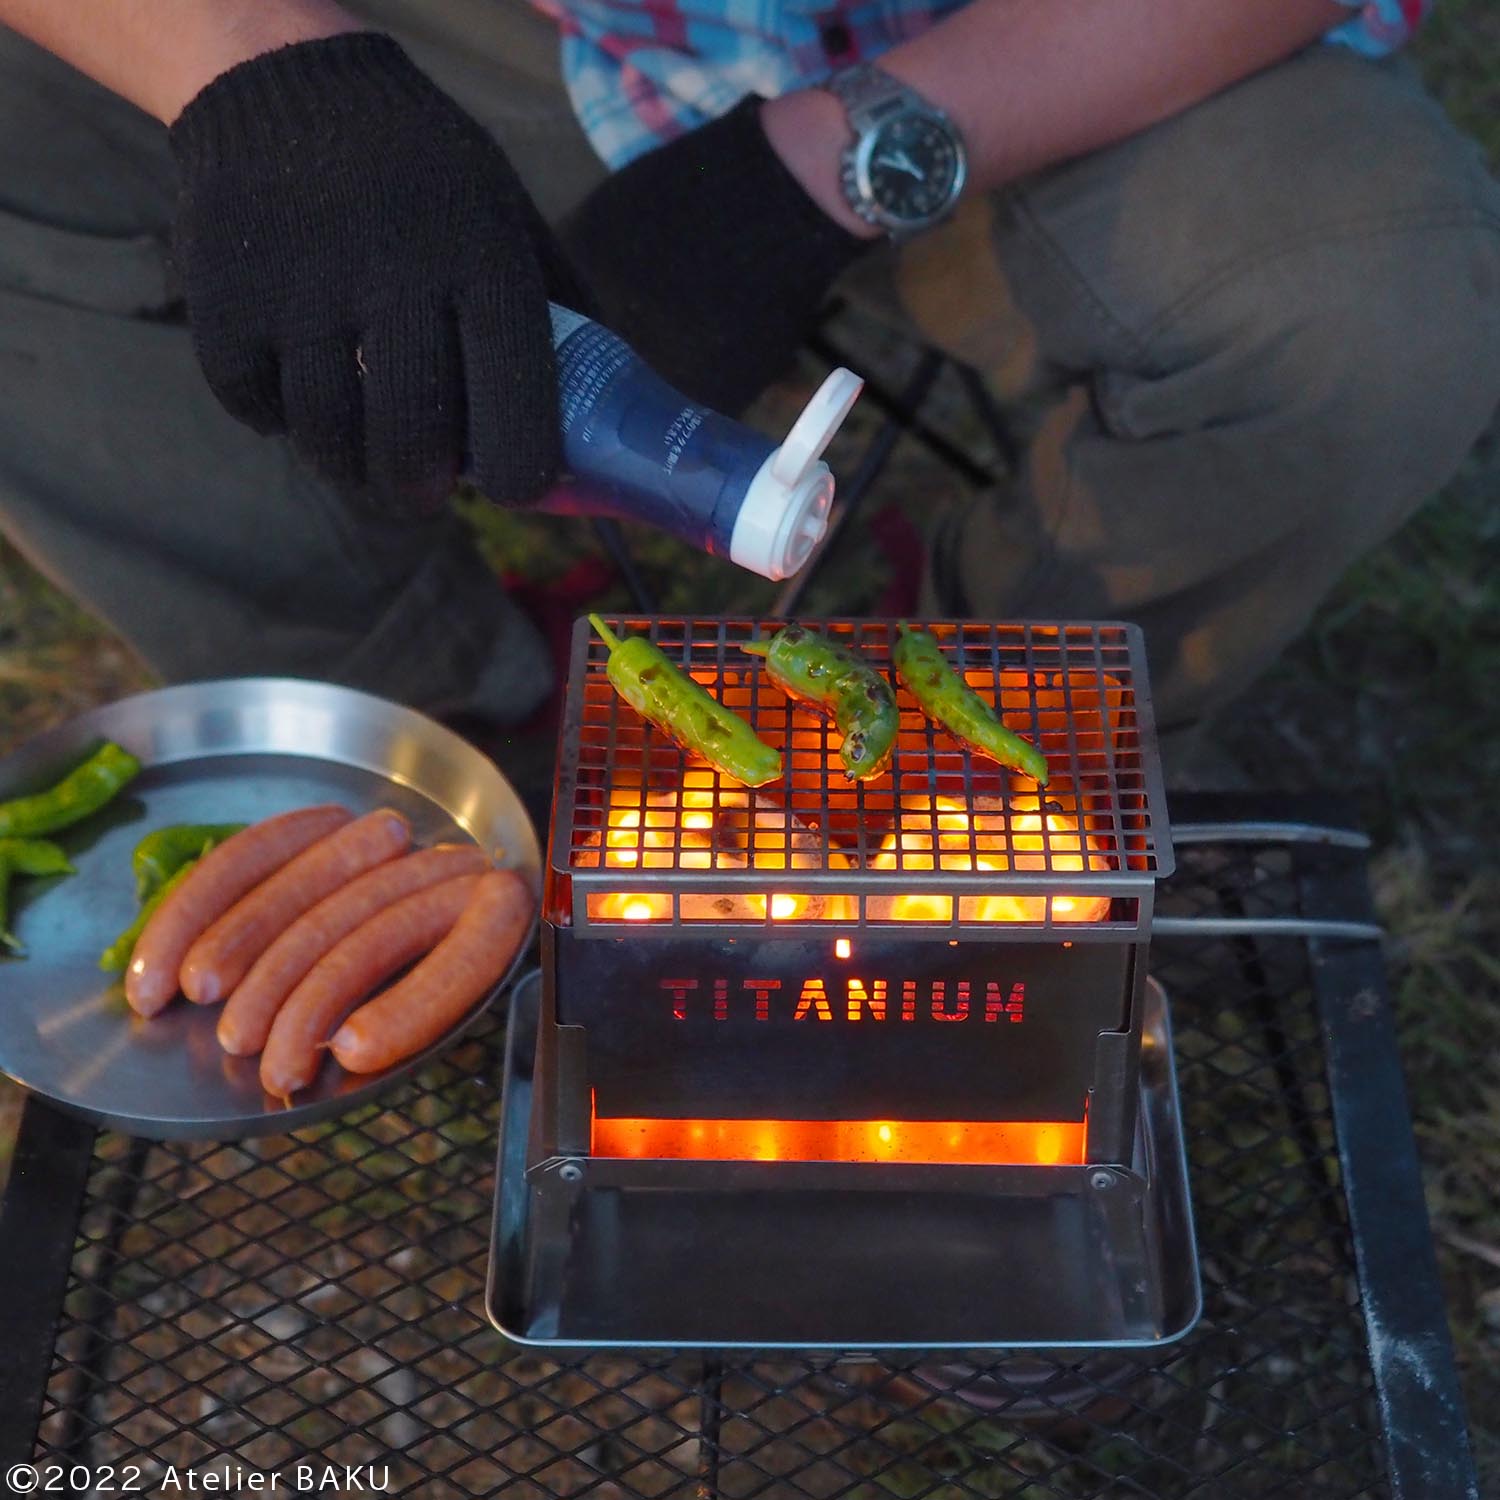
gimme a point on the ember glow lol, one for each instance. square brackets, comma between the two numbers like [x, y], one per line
[634, 906]
[1018, 1142]
[670, 831]
[940, 833]
[703, 827]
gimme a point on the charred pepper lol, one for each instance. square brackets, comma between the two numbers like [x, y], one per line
[646, 679]
[81, 792]
[25, 857]
[948, 700]
[161, 854]
[819, 672]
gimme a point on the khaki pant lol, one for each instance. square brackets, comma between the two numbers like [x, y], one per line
[1255, 337]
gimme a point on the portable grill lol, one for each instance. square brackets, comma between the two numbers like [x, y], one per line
[852, 1065]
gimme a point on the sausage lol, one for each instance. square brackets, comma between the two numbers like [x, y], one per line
[222, 955]
[355, 966]
[246, 1019]
[419, 1008]
[218, 880]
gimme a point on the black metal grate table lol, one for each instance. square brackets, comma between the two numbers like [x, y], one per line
[317, 1299]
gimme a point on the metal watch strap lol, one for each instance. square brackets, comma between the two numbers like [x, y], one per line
[868, 93]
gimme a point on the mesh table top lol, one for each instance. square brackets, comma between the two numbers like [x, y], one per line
[317, 1299]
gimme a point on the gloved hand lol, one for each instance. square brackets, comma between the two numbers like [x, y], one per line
[365, 273]
[709, 257]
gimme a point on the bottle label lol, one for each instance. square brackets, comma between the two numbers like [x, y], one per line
[589, 358]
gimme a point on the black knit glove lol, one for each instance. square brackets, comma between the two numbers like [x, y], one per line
[365, 273]
[709, 257]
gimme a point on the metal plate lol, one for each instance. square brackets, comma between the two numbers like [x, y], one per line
[228, 751]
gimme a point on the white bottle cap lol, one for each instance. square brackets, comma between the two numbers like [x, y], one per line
[784, 514]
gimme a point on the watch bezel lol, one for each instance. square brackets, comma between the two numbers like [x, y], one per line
[860, 188]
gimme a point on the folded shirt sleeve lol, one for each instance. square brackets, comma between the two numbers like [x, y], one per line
[1380, 27]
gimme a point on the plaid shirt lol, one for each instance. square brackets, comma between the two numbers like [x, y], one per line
[640, 72]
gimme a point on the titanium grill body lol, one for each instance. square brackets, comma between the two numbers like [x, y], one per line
[849, 1064]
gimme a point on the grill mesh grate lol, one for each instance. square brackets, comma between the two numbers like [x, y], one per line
[316, 1299]
[638, 816]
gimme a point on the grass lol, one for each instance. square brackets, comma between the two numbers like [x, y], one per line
[1391, 696]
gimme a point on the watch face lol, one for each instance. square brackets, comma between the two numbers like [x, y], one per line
[913, 166]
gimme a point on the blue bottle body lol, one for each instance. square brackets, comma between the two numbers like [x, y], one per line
[637, 449]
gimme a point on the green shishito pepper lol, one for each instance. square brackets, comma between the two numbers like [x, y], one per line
[817, 671]
[162, 853]
[183, 853]
[25, 857]
[948, 700]
[116, 957]
[645, 678]
[81, 792]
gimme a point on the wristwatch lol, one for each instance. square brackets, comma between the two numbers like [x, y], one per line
[906, 166]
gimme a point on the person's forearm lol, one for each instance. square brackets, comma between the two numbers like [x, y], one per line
[1034, 82]
[160, 53]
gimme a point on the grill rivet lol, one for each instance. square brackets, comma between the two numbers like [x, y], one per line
[1101, 1180]
[571, 1171]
